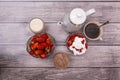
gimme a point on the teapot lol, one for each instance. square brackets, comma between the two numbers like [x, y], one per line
[74, 20]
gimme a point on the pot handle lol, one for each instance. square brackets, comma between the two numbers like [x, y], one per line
[89, 12]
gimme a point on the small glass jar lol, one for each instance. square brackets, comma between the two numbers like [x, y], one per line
[37, 25]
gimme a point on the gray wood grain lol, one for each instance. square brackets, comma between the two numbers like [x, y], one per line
[59, 0]
[19, 33]
[96, 56]
[54, 74]
[55, 11]
[17, 64]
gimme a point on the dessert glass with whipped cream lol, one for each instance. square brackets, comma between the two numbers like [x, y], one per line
[77, 44]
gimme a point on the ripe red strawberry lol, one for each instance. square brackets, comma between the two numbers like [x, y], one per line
[35, 37]
[83, 41]
[44, 35]
[40, 46]
[34, 46]
[51, 46]
[40, 39]
[37, 52]
[80, 50]
[31, 47]
[33, 41]
[42, 56]
[72, 38]
[73, 46]
[45, 53]
[48, 41]
[32, 53]
[86, 46]
[69, 43]
[44, 44]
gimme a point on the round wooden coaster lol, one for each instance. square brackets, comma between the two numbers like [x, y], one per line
[61, 60]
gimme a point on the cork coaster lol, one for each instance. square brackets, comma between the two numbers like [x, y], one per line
[61, 60]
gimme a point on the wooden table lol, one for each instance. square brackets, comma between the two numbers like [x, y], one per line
[101, 61]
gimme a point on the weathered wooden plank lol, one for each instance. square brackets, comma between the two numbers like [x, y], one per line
[58, 0]
[19, 33]
[54, 74]
[96, 56]
[54, 11]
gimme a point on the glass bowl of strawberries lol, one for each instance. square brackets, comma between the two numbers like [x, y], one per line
[41, 45]
[77, 43]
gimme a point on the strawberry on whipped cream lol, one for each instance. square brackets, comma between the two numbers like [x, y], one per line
[77, 44]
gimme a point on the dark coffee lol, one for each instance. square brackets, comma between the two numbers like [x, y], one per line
[92, 30]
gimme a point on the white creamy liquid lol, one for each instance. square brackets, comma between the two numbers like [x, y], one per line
[77, 16]
[36, 25]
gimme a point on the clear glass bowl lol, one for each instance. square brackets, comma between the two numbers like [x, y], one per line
[69, 42]
[29, 42]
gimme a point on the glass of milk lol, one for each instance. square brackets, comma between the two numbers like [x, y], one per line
[37, 25]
